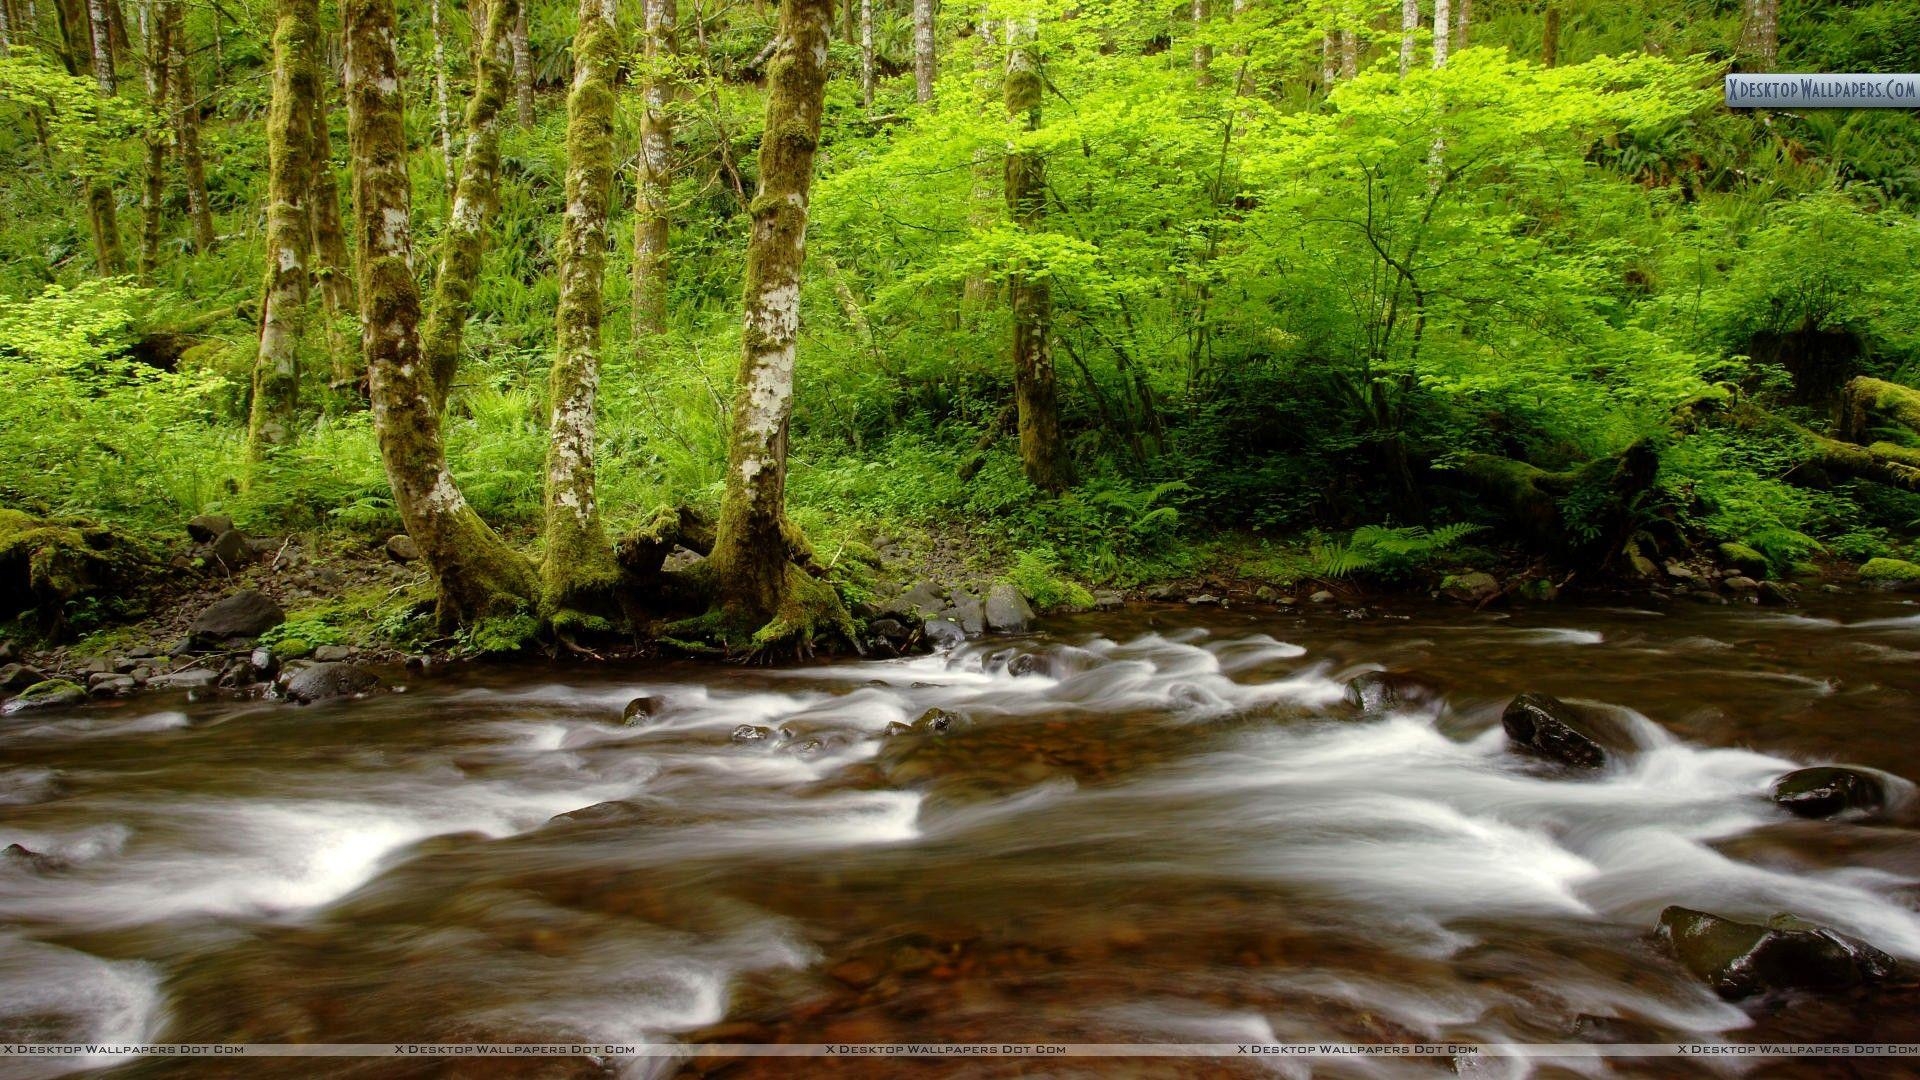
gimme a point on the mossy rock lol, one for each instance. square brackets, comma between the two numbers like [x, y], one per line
[1743, 558]
[46, 563]
[51, 694]
[1885, 573]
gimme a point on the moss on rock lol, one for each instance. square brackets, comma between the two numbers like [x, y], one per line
[1891, 573]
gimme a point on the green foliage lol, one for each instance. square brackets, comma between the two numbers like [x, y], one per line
[1035, 572]
[1384, 552]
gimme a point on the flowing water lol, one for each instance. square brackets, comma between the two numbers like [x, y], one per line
[1165, 827]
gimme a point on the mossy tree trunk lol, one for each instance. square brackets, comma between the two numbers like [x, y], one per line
[1031, 295]
[474, 197]
[1550, 38]
[476, 575]
[651, 213]
[193, 168]
[153, 199]
[751, 563]
[333, 274]
[579, 564]
[923, 56]
[442, 111]
[523, 67]
[276, 365]
[977, 291]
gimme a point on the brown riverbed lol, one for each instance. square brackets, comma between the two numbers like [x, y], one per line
[1168, 828]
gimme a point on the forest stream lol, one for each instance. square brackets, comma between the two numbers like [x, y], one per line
[1163, 825]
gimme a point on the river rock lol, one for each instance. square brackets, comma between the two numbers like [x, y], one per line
[246, 614]
[233, 549]
[1775, 594]
[108, 684]
[922, 598]
[937, 722]
[944, 633]
[25, 858]
[264, 663]
[1474, 588]
[1375, 692]
[968, 611]
[1549, 727]
[1007, 611]
[18, 677]
[1741, 584]
[890, 630]
[49, 694]
[1890, 574]
[751, 733]
[1826, 791]
[1108, 601]
[402, 549]
[640, 710]
[190, 679]
[1741, 959]
[332, 654]
[207, 528]
[1321, 596]
[319, 682]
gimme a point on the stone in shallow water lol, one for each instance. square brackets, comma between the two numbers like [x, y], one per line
[1741, 959]
[640, 710]
[751, 733]
[1545, 725]
[1374, 692]
[944, 633]
[1825, 791]
[319, 682]
[1007, 611]
[937, 722]
[51, 694]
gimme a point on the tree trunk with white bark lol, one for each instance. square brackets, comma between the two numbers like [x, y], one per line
[523, 67]
[1409, 31]
[1202, 51]
[1759, 35]
[866, 54]
[153, 198]
[652, 220]
[476, 575]
[923, 56]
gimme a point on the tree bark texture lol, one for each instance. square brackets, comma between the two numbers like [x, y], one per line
[923, 54]
[193, 168]
[153, 198]
[652, 215]
[1031, 295]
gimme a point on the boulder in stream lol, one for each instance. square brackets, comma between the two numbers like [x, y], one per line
[1543, 724]
[968, 611]
[944, 633]
[640, 710]
[1007, 611]
[51, 694]
[937, 722]
[319, 682]
[1376, 692]
[1740, 959]
[1826, 791]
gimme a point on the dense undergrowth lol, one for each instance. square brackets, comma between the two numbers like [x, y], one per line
[1282, 316]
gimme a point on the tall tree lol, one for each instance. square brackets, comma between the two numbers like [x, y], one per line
[1031, 295]
[1759, 34]
[523, 67]
[193, 168]
[751, 566]
[982, 207]
[88, 50]
[1550, 38]
[1442, 20]
[153, 198]
[1409, 30]
[276, 365]
[1462, 23]
[1349, 53]
[923, 57]
[579, 562]
[652, 218]
[1202, 49]
[442, 111]
[474, 196]
[476, 575]
[866, 53]
[332, 273]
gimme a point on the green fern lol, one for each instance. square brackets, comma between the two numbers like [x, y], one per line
[1385, 552]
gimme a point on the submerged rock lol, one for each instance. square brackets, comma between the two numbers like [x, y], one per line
[51, 694]
[320, 682]
[1545, 725]
[1741, 959]
[937, 722]
[1827, 790]
[1007, 611]
[1384, 691]
[245, 614]
[19, 855]
[751, 733]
